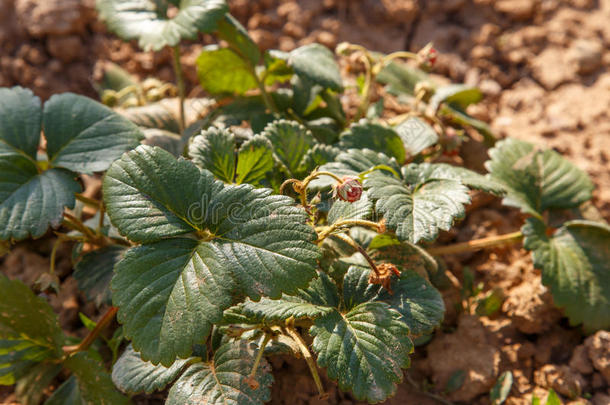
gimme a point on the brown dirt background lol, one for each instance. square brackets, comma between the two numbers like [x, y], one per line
[543, 66]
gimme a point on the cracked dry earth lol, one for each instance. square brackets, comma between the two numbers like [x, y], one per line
[543, 66]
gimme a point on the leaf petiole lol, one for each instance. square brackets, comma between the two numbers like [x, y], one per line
[313, 369]
[90, 202]
[348, 222]
[259, 355]
[477, 244]
[94, 333]
[378, 167]
[360, 250]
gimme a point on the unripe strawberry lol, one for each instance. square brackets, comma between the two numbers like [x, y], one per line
[426, 57]
[349, 189]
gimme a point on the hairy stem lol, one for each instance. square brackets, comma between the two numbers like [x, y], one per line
[378, 167]
[179, 83]
[308, 358]
[90, 202]
[396, 55]
[93, 334]
[317, 174]
[348, 222]
[54, 254]
[477, 244]
[260, 82]
[72, 222]
[360, 250]
[100, 223]
[259, 355]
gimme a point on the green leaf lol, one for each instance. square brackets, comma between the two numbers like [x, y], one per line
[418, 205]
[221, 71]
[114, 78]
[146, 183]
[456, 381]
[501, 388]
[152, 116]
[444, 171]
[84, 135]
[237, 36]
[254, 160]
[30, 387]
[132, 375]
[400, 79]
[553, 398]
[575, 264]
[28, 317]
[458, 94]
[457, 116]
[352, 163]
[148, 22]
[214, 150]
[18, 356]
[490, 303]
[20, 120]
[68, 393]
[94, 271]
[537, 180]
[416, 135]
[356, 286]
[94, 382]
[29, 334]
[277, 70]
[158, 291]
[319, 155]
[169, 141]
[375, 137]
[224, 379]
[317, 64]
[343, 210]
[252, 244]
[363, 349]
[318, 299]
[31, 202]
[291, 142]
[420, 304]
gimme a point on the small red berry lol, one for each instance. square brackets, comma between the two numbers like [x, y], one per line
[349, 189]
[432, 54]
[426, 57]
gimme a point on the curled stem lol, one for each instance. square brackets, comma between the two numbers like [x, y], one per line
[347, 222]
[94, 333]
[301, 186]
[378, 167]
[477, 244]
[396, 55]
[292, 333]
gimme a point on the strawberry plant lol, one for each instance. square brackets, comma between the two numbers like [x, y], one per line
[277, 221]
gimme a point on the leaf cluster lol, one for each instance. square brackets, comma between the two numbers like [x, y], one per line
[221, 243]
